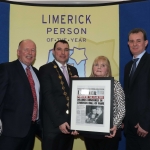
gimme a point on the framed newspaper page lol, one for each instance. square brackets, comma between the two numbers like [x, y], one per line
[91, 104]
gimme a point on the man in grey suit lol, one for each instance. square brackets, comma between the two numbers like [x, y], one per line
[137, 93]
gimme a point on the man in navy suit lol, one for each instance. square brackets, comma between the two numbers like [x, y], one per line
[99, 116]
[55, 95]
[17, 100]
[137, 93]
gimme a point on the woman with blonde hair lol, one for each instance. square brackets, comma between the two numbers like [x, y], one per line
[101, 68]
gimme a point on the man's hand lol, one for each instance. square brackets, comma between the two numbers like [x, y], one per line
[75, 132]
[64, 128]
[0, 127]
[114, 130]
[141, 132]
[75, 76]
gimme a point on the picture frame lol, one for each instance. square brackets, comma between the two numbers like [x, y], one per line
[91, 104]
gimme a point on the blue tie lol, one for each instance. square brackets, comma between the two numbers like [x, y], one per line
[133, 68]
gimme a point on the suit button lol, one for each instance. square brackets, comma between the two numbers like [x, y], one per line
[67, 111]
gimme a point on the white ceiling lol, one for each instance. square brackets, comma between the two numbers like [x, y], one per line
[68, 1]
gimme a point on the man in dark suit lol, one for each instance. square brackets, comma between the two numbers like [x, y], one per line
[137, 93]
[55, 92]
[99, 116]
[20, 121]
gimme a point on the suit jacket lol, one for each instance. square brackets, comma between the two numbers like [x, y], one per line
[99, 119]
[53, 98]
[137, 94]
[16, 98]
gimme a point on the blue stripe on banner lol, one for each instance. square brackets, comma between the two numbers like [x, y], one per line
[4, 32]
[132, 15]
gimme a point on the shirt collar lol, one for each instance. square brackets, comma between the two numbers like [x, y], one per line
[140, 55]
[59, 64]
[24, 66]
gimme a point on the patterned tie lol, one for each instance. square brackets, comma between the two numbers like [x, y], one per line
[35, 106]
[65, 73]
[133, 68]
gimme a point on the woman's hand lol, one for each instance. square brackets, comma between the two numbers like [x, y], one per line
[122, 125]
[113, 132]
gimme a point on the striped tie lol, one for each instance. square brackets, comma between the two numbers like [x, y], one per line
[35, 106]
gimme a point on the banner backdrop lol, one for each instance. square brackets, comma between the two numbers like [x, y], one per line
[90, 31]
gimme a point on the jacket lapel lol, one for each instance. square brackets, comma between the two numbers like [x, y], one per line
[63, 77]
[69, 72]
[20, 70]
[128, 73]
[138, 69]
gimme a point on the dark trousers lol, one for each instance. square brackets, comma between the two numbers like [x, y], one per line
[135, 142]
[17, 143]
[101, 144]
[57, 141]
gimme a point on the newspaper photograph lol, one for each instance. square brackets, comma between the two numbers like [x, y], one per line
[90, 105]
